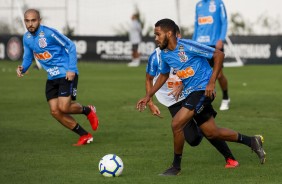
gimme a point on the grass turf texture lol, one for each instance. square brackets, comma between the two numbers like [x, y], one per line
[37, 149]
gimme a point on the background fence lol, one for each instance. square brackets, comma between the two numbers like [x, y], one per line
[251, 49]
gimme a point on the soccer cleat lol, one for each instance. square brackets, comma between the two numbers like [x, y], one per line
[85, 139]
[256, 145]
[93, 118]
[224, 104]
[171, 171]
[230, 163]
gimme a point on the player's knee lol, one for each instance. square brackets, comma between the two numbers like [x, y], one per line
[55, 113]
[176, 127]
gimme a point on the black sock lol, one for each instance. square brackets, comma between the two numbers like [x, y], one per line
[177, 160]
[79, 130]
[244, 139]
[225, 94]
[86, 110]
[222, 147]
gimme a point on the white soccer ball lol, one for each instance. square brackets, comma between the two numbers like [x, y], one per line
[110, 165]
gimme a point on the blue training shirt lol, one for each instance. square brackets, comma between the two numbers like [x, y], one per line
[153, 69]
[54, 51]
[210, 22]
[189, 61]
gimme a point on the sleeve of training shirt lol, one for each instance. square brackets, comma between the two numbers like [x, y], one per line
[164, 67]
[69, 47]
[152, 66]
[199, 49]
[223, 19]
[195, 24]
[27, 56]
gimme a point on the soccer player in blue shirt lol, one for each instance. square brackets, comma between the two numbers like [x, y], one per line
[188, 59]
[210, 29]
[165, 95]
[57, 55]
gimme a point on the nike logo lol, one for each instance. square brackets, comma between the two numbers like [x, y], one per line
[279, 51]
[189, 105]
[63, 93]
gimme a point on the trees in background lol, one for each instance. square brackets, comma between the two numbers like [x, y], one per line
[263, 25]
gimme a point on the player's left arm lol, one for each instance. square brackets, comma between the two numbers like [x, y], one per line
[27, 59]
[223, 22]
[149, 85]
[141, 104]
[70, 48]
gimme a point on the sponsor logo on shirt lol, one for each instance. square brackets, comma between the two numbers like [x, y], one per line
[198, 51]
[42, 56]
[41, 34]
[53, 71]
[203, 39]
[173, 80]
[205, 20]
[186, 73]
[165, 50]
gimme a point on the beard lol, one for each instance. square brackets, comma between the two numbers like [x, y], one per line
[164, 44]
[32, 30]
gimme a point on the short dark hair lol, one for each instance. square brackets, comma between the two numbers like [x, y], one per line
[167, 25]
[33, 10]
[177, 29]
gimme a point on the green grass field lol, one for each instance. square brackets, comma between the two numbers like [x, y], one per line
[36, 149]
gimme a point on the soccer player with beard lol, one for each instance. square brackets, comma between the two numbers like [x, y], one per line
[188, 59]
[57, 55]
[166, 96]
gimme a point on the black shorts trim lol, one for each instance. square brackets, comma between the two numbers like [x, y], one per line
[61, 88]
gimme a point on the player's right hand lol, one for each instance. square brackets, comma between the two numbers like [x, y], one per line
[19, 71]
[142, 103]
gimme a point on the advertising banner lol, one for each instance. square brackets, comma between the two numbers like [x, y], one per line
[244, 49]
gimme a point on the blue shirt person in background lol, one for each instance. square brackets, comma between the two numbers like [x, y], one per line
[210, 29]
[57, 55]
[188, 59]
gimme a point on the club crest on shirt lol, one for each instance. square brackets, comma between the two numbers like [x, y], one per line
[212, 7]
[181, 54]
[42, 42]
